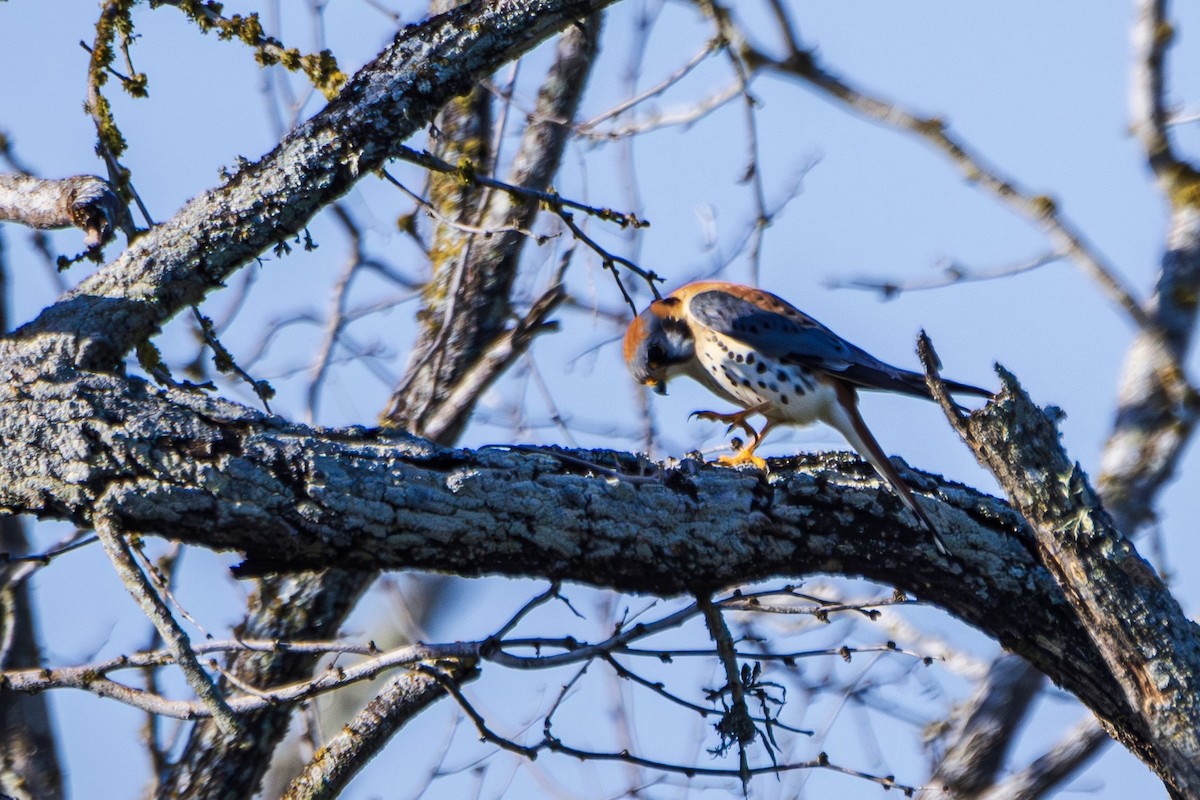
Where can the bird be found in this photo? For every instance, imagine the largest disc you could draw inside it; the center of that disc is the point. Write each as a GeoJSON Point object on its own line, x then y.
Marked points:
{"type": "Point", "coordinates": [761, 353]}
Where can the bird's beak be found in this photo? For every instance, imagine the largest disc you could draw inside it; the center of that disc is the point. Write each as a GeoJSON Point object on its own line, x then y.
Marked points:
{"type": "Point", "coordinates": [658, 387]}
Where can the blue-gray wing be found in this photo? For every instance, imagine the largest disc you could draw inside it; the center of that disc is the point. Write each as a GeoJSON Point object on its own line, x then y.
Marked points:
{"type": "Point", "coordinates": [784, 333]}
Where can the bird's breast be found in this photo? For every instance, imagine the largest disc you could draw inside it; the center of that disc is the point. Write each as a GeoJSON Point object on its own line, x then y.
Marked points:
{"type": "Point", "coordinates": [792, 393]}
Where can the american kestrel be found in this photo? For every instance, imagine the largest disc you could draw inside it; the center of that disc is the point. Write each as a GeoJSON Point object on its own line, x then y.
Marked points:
{"type": "Point", "coordinates": [763, 354]}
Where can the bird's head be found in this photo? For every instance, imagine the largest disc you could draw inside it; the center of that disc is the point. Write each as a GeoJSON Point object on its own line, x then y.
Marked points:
{"type": "Point", "coordinates": [658, 344]}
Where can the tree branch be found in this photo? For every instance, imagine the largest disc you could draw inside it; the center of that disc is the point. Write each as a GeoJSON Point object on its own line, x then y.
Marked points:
{"type": "Point", "coordinates": [179, 262]}
{"type": "Point", "coordinates": [1139, 630]}
{"type": "Point", "coordinates": [209, 472]}
{"type": "Point", "coordinates": [1079, 746]}
{"type": "Point", "coordinates": [115, 547]}
{"type": "Point", "coordinates": [985, 730]}
{"type": "Point", "coordinates": [469, 300]}
{"type": "Point", "coordinates": [83, 201]}
{"type": "Point", "coordinates": [29, 762]}
{"type": "Point", "coordinates": [1157, 407]}
{"type": "Point", "coordinates": [404, 697]}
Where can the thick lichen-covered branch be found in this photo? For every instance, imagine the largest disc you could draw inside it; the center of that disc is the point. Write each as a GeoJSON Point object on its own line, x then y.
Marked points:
{"type": "Point", "coordinates": [1151, 647]}
{"type": "Point", "coordinates": [222, 476]}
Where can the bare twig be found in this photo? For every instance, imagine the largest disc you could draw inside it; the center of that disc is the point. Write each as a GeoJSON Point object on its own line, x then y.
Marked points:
{"type": "Point", "coordinates": [804, 65]}
{"type": "Point", "coordinates": [709, 48]}
{"type": "Point", "coordinates": [320, 68]}
{"type": "Point", "coordinates": [657, 688]}
{"type": "Point", "coordinates": [94, 678]}
{"type": "Point", "coordinates": [553, 744]}
{"type": "Point", "coordinates": [168, 565]}
{"type": "Point", "coordinates": [28, 564]}
{"type": "Point", "coordinates": [952, 274]}
{"type": "Point", "coordinates": [1152, 36]}
{"type": "Point", "coordinates": [754, 171]}
{"type": "Point", "coordinates": [153, 607]}
{"type": "Point", "coordinates": [550, 199]}
{"type": "Point", "coordinates": [114, 23]}
{"type": "Point", "coordinates": [225, 362]}
{"type": "Point", "coordinates": [430, 209]}
{"type": "Point", "coordinates": [686, 116]}
{"type": "Point", "coordinates": [555, 203]}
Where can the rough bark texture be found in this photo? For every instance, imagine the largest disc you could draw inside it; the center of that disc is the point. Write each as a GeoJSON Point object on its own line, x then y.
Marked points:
{"type": "Point", "coordinates": [404, 697]}
{"type": "Point", "coordinates": [1137, 627]}
{"type": "Point", "coordinates": [219, 475]}
{"type": "Point", "coordinates": [29, 764]}
{"type": "Point", "coordinates": [84, 201]}
{"type": "Point", "coordinates": [468, 309]}
{"type": "Point", "coordinates": [464, 344]}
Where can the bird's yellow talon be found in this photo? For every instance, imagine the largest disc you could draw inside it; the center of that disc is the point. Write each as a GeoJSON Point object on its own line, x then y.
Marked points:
{"type": "Point", "coordinates": [744, 457]}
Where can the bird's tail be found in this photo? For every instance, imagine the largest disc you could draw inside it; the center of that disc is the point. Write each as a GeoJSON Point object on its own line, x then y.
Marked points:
{"type": "Point", "coordinates": [887, 378]}
{"type": "Point", "coordinates": [849, 423]}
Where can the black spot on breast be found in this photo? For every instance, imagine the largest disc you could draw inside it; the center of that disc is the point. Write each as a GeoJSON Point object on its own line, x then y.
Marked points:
{"type": "Point", "coordinates": [746, 382]}
{"type": "Point", "coordinates": [762, 368]}
{"type": "Point", "coordinates": [762, 384]}
{"type": "Point", "coordinates": [782, 375]}
{"type": "Point", "coordinates": [783, 399]}
{"type": "Point", "coordinates": [738, 358]}
{"type": "Point", "coordinates": [750, 358]}
{"type": "Point", "coordinates": [774, 388]}
{"type": "Point", "coordinates": [799, 390]}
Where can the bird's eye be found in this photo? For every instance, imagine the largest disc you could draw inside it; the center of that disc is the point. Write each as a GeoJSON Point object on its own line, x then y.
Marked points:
{"type": "Point", "coordinates": [655, 355]}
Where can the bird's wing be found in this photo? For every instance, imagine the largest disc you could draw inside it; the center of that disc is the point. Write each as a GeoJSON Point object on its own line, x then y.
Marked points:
{"type": "Point", "coordinates": [780, 331]}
